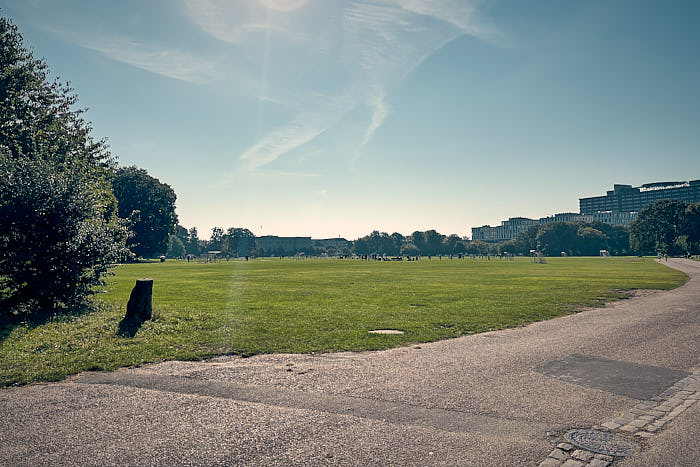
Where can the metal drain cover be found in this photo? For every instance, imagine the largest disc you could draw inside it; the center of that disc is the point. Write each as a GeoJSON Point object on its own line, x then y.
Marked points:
{"type": "Point", "coordinates": [601, 442]}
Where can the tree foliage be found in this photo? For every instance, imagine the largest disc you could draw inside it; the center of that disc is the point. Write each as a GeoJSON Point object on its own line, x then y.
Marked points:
{"type": "Point", "coordinates": [667, 227]}
{"type": "Point", "coordinates": [58, 227]}
{"type": "Point", "coordinates": [176, 249]}
{"type": "Point", "coordinates": [149, 206]}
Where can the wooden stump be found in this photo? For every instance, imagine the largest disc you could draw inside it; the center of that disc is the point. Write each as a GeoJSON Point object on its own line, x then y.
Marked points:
{"type": "Point", "coordinates": [139, 306]}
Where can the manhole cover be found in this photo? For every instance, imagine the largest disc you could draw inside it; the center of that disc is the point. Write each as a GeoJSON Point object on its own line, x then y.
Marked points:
{"type": "Point", "coordinates": [601, 442]}
{"type": "Point", "coordinates": [386, 331]}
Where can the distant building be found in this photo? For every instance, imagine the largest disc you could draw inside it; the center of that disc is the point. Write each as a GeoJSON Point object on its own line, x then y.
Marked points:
{"type": "Point", "coordinates": [507, 230]}
{"type": "Point", "coordinates": [566, 217]}
{"type": "Point", "coordinates": [626, 199]}
{"type": "Point", "coordinates": [615, 218]}
{"type": "Point", "coordinates": [272, 244]}
{"type": "Point", "coordinates": [335, 243]}
{"type": "Point", "coordinates": [515, 225]}
{"type": "Point", "coordinates": [485, 233]}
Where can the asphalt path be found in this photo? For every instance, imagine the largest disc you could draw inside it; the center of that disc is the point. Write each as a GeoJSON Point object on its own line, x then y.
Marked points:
{"type": "Point", "coordinates": [498, 398]}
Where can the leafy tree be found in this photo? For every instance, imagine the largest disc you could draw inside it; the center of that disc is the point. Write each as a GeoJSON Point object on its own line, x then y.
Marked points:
{"type": "Point", "coordinates": [409, 249]}
{"type": "Point", "coordinates": [192, 244]}
{"type": "Point", "coordinates": [618, 240]}
{"type": "Point", "coordinates": [555, 237]}
{"type": "Point", "coordinates": [508, 246]}
{"type": "Point", "coordinates": [658, 226]}
{"type": "Point", "coordinates": [149, 205]}
{"type": "Point", "coordinates": [418, 239]}
{"type": "Point", "coordinates": [526, 240]}
{"type": "Point", "coordinates": [176, 249]}
{"type": "Point", "coordinates": [58, 227]}
{"type": "Point", "coordinates": [376, 243]}
{"type": "Point", "coordinates": [238, 241]}
{"type": "Point", "coordinates": [433, 243]}
{"type": "Point", "coordinates": [591, 241]}
{"type": "Point", "coordinates": [692, 227]}
{"type": "Point", "coordinates": [452, 245]}
{"type": "Point", "coordinates": [216, 241]}
{"type": "Point", "coordinates": [477, 247]}
{"type": "Point", "coordinates": [181, 233]}
{"type": "Point", "coordinates": [398, 240]}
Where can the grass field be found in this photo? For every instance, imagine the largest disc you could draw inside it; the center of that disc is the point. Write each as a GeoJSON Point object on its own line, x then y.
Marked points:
{"type": "Point", "coordinates": [271, 305]}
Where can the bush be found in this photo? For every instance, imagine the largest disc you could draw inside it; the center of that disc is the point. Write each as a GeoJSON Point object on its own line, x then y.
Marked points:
{"type": "Point", "coordinates": [58, 226]}
{"type": "Point", "coordinates": [56, 237]}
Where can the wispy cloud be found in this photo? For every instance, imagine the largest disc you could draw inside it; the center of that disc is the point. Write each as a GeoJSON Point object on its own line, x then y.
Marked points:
{"type": "Point", "coordinates": [379, 114]}
{"type": "Point", "coordinates": [155, 59]}
{"type": "Point", "coordinates": [372, 45]}
{"type": "Point", "coordinates": [238, 21]}
{"type": "Point", "coordinates": [460, 13]}
{"type": "Point", "coordinates": [300, 131]}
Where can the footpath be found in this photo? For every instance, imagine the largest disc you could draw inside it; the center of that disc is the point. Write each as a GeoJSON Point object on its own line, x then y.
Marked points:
{"type": "Point", "coordinates": [624, 375]}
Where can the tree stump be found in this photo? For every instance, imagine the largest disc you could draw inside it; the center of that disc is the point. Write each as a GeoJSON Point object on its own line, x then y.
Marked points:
{"type": "Point", "coordinates": [139, 306]}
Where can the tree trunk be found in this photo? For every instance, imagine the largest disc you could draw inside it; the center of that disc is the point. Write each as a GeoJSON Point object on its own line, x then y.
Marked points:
{"type": "Point", "coordinates": [139, 306]}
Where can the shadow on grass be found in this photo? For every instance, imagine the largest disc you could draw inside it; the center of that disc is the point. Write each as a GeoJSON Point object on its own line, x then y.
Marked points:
{"type": "Point", "coordinates": [128, 327]}
{"type": "Point", "coordinates": [10, 321]}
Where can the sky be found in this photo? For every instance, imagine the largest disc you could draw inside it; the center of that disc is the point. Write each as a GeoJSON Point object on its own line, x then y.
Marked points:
{"type": "Point", "coordinates": [330, 118]}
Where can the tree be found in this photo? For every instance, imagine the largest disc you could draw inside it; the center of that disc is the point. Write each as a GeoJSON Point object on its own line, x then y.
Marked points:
{"type": "Point", "coordinates": [477, 247]}
{"type": "Point", "coordinates": [409, 249]}
{"type": "Point", "coordinates": [398, 240]}
{"type": "Point", "coordinates": [692, 227]}
{"type": "Point", "coordinates": [216, 241]}
{"type": "Point", "coordinates": [452, 245]}
{"type": "Point", "coordinates": [192, 245]}
{"type": "Point", "coordinates": [618, 241]}
{"type": "Point", "coordinates": [555, 237]}
{"type": "Point", "coordinates": [658, 226]}
{"type": "Point", "coordinates": [418, 240]}
{"type": "Point", "coordinates": [149, 205]}
{"type": "Point", "coordinates": [238, 241]}
{"type": "Point", "coordinates": [433, 242]}
{"type": "Point", "coordinates": [591, 241]}
{"type": "Point", "coordinates": [59, 232]}
{"type": "Point", "coordinates": [176, 249]}
{"type": "Point", "coordinates": [181, 233]}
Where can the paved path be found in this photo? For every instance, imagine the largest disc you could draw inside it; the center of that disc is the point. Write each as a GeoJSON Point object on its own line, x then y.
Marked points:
{"type": "Point", "coordinates": [499, 398]}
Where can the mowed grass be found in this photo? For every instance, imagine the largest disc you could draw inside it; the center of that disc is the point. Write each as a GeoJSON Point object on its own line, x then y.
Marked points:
{"type": "Point", "coordinates": [272, 305]}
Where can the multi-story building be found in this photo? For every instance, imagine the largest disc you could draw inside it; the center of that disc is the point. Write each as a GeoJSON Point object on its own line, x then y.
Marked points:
{"type": "Point", "coordinates": [335, 243]}
{"type": "Point", "coordinates": [512, 227]}
{"type": "Point", "coordinates": [566, 217]}
{"type": "Point", "coordinates": [275, 245]}
{"type": "Point", "coordinates": [614, 218]}
{"type": "Point", "coordinates": [507, 230]}
{"type": "Point", "coordinates": [485, 233]}
{"type": "Point", "coordinates": [626, 199]}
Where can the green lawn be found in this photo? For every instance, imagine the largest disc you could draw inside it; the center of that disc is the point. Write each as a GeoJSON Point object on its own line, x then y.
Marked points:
{"type": "Point", "coordinates": [271, 305]}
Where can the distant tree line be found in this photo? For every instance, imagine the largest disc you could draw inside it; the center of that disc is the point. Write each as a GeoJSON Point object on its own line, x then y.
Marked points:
{"type": "Point", "coordinates": [233, 242]}
{"type": "Point", "coordinates": [575, 238]}
{"type": "Point", "coordinates": [570, 238]}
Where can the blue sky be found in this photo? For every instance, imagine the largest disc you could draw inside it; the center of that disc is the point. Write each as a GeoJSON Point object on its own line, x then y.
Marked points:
{"type": "Point", "coordinates": [325, 118]}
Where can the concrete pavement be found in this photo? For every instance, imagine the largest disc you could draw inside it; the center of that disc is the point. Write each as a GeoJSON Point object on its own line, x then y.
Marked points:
{"type": "Point", "coordinates": [499, 398]}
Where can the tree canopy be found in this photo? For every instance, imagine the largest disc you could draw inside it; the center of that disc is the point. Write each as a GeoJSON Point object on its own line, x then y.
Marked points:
{"type": "Point", "coordinates": [667, 227]}
{"type": "Point", "coordinates": [59, 232]}
{"type": "Point", "coordinates": [149, 206]}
